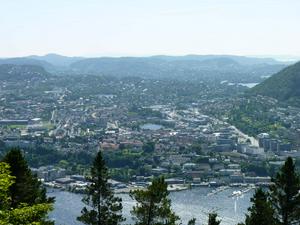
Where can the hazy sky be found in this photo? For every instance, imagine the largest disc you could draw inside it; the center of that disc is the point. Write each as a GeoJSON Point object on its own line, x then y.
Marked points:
{"type": "Point", "coordinates": [148, 27]}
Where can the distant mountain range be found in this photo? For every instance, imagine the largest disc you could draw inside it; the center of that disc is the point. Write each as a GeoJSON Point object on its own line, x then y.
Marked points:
{"type": "Point", "coordinates": [216, 67]}
{"type": "Point", "coordinates": [57, 60]}
{"type": "Point", "coordinates": [284, 85]}
{"type": "Point", "coordinates": [244, 60]}
{"type": "Point", "coordinates": [232, 68]}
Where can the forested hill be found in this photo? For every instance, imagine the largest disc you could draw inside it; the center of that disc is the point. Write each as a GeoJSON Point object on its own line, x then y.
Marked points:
{"type": "Point", "coordinates": [284, 85]}
{"type": "Point", "coordinates": [27, 61]}
{"type": "Point", "coordinates": [9, 72]}
{"type": "Point", "coordinates": [216, 68]}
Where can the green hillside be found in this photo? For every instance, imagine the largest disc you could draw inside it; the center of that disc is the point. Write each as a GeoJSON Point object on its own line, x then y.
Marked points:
{"type": "Point", "coordinates": [284, 85]}
{"type": "Point", "coordinates": [9, 72]}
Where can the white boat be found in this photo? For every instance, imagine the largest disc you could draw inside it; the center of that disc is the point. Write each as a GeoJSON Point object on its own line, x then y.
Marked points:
{"type": "Point", "coordinates": [236, 194]}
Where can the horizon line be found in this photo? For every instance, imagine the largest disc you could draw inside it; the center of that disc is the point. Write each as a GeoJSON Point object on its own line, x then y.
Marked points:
{"type": "Point", "coordinates": [279, 57]}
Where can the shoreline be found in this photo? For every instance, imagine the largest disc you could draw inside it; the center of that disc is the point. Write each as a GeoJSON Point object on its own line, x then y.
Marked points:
{"type": "Point", "coordinates": [171, 188]}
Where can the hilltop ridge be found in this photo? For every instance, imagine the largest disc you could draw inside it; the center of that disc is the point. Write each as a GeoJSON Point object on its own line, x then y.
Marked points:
{"type": "Point", "coordinates": [284, 85]}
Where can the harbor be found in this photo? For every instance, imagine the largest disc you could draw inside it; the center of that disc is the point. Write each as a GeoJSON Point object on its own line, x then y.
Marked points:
{"type": "Point", "coordinates": [77, 184]}
{"type": "Point", "coordinates": [195, 202]}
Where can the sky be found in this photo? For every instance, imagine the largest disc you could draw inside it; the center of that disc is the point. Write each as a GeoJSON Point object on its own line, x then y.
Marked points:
{"type": "Point", "coordinates": [149, 27]}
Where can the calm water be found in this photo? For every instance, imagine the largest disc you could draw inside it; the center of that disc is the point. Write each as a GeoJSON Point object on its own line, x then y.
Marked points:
{"type": "Point", "coordinates": [151, 126]}
{"type": "Point", "coordinates": [249, 85]}
{"type": "Point", "coordinates": [187, 204]}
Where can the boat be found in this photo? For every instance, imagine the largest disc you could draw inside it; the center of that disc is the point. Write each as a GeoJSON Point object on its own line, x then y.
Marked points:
{"type": "Point", "coordinates": [202, 184]}
{"type": "Point", "coordinates": [218, 190]}
{"type": "Point", "coordinates": [236, 194]}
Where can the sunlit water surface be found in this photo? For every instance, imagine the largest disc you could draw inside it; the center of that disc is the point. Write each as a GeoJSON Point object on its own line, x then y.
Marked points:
{"type": "Point", "coordinates": [187, 204]}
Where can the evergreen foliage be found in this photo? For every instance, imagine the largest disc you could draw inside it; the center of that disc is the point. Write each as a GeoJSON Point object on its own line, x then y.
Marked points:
{"type": "Point", "coordinates": [261, 211]}
{"type": "Point", "coordinates": [26, 189]}
{"type": "Point", "coordinates": [192, 222]}
{"type": "Point", "coordinates": [104, 208]}
{"type": "Point", "coordinates": [281, 204]}
{"type": "Point", "coordinates": [153, 206]}
{"type": "Point", "coordinates": [24, 214]}
{"type": "Point", "coordinates": [212, 219]}
{"type": "Point", "coordinates": [284, 194]}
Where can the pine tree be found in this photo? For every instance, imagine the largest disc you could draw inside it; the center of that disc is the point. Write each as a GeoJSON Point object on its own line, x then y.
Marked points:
{"type": "Point", "coordinates": [261, 211]}
{"type": "Point", "coordinates": [104, 208]}
{"type": "Point", "coordinates": [192, 222]}
{"type": "Point", "coordinates": [26, 188]}
{"type": "Point", "coordinates": [153, 206]}
{"type": "Point", "coordinates": [212, 219]}
{"type": "Point", "coordinates": [285, 197]}
{"type": "Point", "coordinates": [24, 214]}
